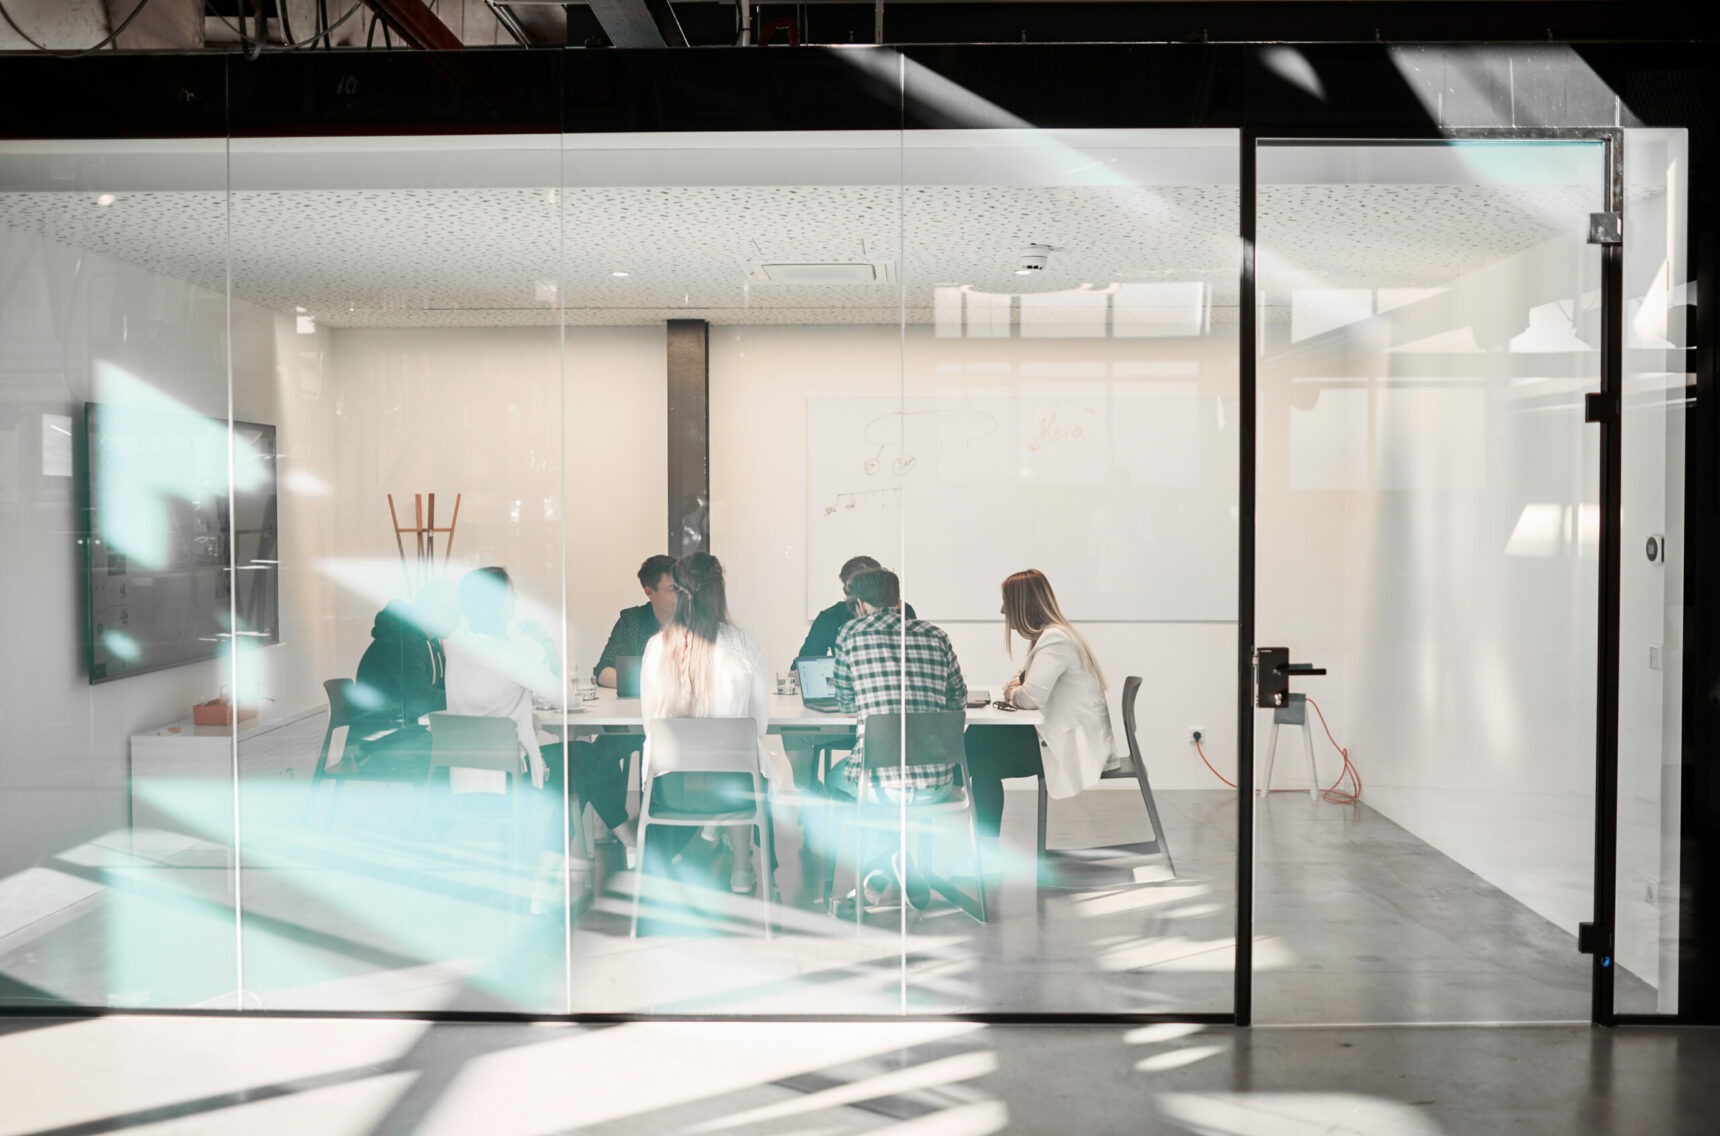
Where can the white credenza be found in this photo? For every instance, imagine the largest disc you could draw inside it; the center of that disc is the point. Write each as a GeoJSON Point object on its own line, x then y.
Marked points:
{"type": "Point", "coordinates": [182, 773]}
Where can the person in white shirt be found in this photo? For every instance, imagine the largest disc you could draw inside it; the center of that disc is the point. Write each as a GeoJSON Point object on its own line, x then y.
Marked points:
{"type": "Point", "coordinates": [1061, 679]}
{"type": "Point", "coordinates": [700, 665]}
{"type": "Point", "coordinates": [494, 667]}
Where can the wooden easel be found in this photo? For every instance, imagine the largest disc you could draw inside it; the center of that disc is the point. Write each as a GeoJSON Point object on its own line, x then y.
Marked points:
{"type": "Point", "coordinates": [423, 530]}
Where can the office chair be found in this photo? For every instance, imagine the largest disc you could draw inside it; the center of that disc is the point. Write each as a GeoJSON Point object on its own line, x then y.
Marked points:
{"type": "Point", "coordinates": [684, 746]}
{"type": "Point", "coordinates": [934, 737]}
{"type": "Point", "coordinates": [1136, 768]}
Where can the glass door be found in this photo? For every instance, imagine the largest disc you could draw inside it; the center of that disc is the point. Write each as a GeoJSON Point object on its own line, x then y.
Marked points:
{"type": "Point", "coordinates": [1429, 539]}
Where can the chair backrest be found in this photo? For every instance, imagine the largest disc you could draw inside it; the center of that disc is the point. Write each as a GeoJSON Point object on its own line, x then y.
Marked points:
{"type": "Point", "coordinates": [1131, 688]}
{"type": "Point", "coordinates": [468, 741]}
{"type": "Point", "coordinates": [934, 738]}
{"type": "Point", "coordinates": [341, 711]}
{"type": "Point", "coordinates": [703, 745]}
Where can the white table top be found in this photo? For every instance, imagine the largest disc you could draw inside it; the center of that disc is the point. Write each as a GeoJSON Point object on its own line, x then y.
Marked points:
{"type": "Point", "coordinates": [786, 711]}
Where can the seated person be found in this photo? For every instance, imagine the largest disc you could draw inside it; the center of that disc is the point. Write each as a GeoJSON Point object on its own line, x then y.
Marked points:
{"type": "Point", "coordinates": [888, 664]}
{"type": "Point", "coordinates": [799, 748]}
{"type": "Point", "coordinates": [633, 628]}
{"type": "Point", "coordinates": [494, 665]}
{"type": "Point", "coordinates": [821, 638]}
{"type": "Point", "coordinates": [703, 666]}
{"type": "Point", "coordinates": [635, 625]}
{"type": "Point", "coordinates": [400, 676]}
{"type": "Point", "coordinates": [1061, 679]}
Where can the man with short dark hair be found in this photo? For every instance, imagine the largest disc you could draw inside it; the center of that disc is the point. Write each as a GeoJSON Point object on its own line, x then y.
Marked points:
{"type": "Point", "coordinates": [820, 640]}
{"type": "Point", "coordinates": [829, 622]}
{"type": "Point", "coordinates": [635, 625]}
{"type": "Point", "coordinates": [888, 664]}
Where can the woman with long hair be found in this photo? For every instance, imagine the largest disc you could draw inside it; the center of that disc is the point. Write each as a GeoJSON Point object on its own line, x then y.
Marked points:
{"type": "Point", "coordinates": [1061, 679]}
{"type": "Point", "coordinates": [700, 665]}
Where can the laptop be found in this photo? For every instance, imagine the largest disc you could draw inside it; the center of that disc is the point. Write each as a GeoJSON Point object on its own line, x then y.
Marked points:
{"type": "Point", "coordinates": [818, 684]}
{"type": "Point", "coordinates": [627, 676]}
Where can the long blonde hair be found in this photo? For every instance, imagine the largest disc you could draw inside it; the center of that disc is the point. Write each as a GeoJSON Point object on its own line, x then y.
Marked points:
{"type": "Point", "coordinates": [689, 640]}
{"type": "Point", "coordinates": [1029, 607]}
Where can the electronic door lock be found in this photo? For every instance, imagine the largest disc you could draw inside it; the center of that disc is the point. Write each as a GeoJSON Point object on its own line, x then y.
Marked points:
{"type": "Point", "coordinates": [1273, 671]}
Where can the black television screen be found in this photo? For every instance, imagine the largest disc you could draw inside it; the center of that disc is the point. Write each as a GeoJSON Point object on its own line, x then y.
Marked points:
{"type": "Point", "coordinates": [162, 547]}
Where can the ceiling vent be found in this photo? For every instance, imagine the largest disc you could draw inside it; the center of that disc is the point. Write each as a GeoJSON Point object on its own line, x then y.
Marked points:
{"type": "Point", "coordinates": [804, 272]}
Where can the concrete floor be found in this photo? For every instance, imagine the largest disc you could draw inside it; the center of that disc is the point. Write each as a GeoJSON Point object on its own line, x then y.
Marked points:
{"type": "Point", "coordinates": [1356, 921]}
{"type": "Point", "coordinates": [275, 1077]}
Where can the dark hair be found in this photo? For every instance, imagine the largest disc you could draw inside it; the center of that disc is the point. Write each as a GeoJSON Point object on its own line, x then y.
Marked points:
{"type": "Point", "coordinates": [481, 592]}
{"type": "Point", "coordinates": [879, 587]}
{"type": "Point", "coordinates": [654, 569]}
{"type": "Point", "coordinates": [701, 609]}
{"type": "Point", "coordinates": [855, 566]}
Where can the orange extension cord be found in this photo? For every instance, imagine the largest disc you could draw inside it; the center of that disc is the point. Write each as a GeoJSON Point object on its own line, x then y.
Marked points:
{"type": "Point", "coordinates": [1331, 794]}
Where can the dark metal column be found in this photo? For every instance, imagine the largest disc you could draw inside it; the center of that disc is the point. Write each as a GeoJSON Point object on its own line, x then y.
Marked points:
{"type": "Point", "coordinates": [689, 343]}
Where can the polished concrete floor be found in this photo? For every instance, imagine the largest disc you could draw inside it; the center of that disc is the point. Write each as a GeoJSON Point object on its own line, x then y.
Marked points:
{"type": "Point", "coordinates": [1356, 920]}
{"type": "Point", "coordinates": [287, 1077]}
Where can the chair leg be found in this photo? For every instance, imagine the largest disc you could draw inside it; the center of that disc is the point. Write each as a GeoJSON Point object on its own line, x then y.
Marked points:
{"type": "Point", "coordinates": [639, 873]}
{"type": "Point", "coordinates": [767, 850]}
{"type": "Point", "coordinates": [978, 868]}
{"type": "Point", "coordinates": [1039, 854]}
{"type": "Point", "coordinates": [1160, 843]}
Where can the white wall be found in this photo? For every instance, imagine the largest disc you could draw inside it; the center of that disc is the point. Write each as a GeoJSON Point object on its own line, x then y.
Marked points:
{"type": "Point", "coordinates": [67, 311]}
{"type": "Point", "coordinates": [761, 379]}
{"type": "Point", "coordinates": [485, 413]}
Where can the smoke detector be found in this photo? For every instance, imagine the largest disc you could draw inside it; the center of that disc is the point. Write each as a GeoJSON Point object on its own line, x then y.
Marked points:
{"type": "Point", "coordinates": [1033, 259]}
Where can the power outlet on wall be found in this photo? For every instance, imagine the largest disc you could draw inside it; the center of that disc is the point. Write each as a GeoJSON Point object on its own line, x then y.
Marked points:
{"type": "Point", "coordinates": [1195, 735]}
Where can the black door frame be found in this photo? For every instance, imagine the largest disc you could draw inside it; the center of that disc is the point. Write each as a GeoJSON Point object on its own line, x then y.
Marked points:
{"type": "Point", "coordinates": [1611, 497]}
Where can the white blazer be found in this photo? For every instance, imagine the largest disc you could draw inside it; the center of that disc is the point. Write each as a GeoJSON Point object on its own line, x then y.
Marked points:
{"type": "Point", "coordinates": [1075, 741]}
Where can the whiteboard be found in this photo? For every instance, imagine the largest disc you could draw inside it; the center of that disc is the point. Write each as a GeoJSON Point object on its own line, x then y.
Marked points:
{"type": "Point", "coordinates": [1123, 493]}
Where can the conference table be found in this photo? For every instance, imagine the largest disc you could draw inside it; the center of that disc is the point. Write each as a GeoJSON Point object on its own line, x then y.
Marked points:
{"type": "Point", "coordinates": [611, 714]}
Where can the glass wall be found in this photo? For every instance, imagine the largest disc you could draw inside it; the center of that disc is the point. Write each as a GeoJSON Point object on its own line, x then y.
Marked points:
{"type": "Point", "coordinates": [1069, 455]}
{"type": "Point", "coordinates": [1429, 534]}
{"type": "Point", "coordinates": [117, 883]}
{"type": "Point", "coordinates": [411, 453]}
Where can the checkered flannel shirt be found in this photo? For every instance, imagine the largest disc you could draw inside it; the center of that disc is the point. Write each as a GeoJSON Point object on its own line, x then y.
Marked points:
{"type": "Point", "coordinates": [870, 654]}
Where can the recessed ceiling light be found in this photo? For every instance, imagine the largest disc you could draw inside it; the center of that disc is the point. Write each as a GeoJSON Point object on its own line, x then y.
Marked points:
{"type": "Point", "coordinates": [619, 274]}
{"type": "Point", "coordinates": [105, 200]}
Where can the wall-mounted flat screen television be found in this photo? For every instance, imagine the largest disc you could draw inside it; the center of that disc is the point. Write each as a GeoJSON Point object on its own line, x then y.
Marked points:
{"type": "Point", "coordinates": [177, 565]}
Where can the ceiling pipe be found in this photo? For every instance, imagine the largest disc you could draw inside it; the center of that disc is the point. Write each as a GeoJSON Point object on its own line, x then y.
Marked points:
{"type": "Point", "coordinates": [416, 24]}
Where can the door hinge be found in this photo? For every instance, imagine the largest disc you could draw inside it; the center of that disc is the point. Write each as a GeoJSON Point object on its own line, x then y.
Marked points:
{"type": "Point", "coordinates": [1598, 408]}
{"type": "Point", "coordinates": [1606, 228]}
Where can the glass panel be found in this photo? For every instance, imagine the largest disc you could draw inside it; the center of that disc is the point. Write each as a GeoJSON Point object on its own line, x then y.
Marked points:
{"type": "Point", "coordinates": [1659, 294]}
{"type": "Point", "coordinates": [399, 299]}
{"type": "Point", "coordinates": [776, 254]}
{"type": "Point", "coordinates": [1070, 459]}
{"type": "Point", "coordinates": [116, 819]}
{"type": "Point", "coordinates": [1428, 533]}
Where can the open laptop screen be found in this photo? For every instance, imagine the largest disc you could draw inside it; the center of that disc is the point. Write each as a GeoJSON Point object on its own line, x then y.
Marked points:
{"type": "Point", "coordinates": [817, 677]}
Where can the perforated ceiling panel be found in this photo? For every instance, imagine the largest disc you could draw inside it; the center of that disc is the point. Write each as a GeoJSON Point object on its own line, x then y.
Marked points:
{"type": "Point", "coordinates": [492, 256]}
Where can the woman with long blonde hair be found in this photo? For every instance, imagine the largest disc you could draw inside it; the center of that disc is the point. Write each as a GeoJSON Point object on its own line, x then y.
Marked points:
{"type": "Point", "coordinates": [1060, 678]}
{"type": "Point", "coordinates": [700, 665]}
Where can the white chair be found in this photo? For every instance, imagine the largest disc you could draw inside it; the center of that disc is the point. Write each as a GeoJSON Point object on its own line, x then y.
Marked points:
{"type": "Point", "coordinates": [704, 746]}
{"type": "Point", "coordinates": [464, 741]}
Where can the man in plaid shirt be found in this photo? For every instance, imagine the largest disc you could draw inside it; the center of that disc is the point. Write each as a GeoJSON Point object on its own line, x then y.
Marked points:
{"type": "Point", "coordinates": [882, 669]}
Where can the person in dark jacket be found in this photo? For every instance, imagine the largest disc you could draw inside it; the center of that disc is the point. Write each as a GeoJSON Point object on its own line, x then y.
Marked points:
{"type": "Point", "coordinates": [800, 748]}
{"type": "Point", "coordinates": [400, 679]}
